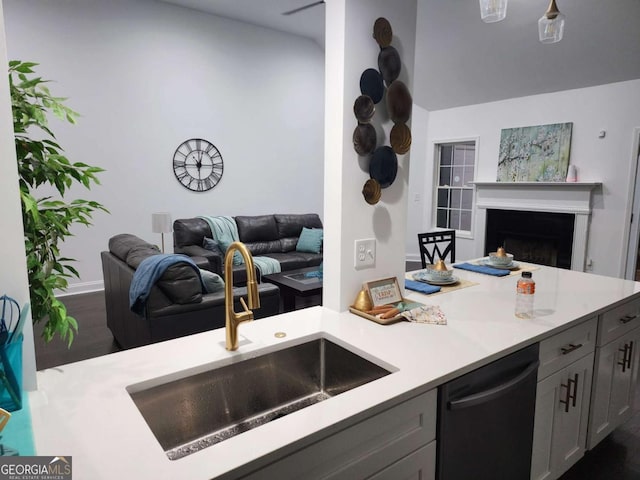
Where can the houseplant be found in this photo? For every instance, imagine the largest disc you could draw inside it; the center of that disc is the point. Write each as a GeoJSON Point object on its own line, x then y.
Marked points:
{"type": "Point", "coordinates": [47, 220]}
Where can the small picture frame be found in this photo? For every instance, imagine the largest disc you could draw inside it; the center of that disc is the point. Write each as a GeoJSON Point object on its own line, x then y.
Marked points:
{"type": "Point", "coordinates": [383, 292]}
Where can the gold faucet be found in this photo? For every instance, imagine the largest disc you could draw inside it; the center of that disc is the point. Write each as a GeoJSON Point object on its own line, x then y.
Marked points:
{"type": "Point", "coordinates": [234, 319]}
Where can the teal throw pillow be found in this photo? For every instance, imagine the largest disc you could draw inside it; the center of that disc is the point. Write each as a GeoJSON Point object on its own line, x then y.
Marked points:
{"type": "Point", "coordinates": [310, 240]}
{"type": "Point", "coordinates": [212, 281]}
{"type": "Point", "coordinates": [237, 256]}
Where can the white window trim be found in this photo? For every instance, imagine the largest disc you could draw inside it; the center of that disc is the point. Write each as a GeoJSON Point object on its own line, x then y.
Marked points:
{"type": "Point", "coordinates": [434, 187]}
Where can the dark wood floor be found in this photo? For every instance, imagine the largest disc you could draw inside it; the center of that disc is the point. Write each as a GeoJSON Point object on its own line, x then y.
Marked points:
{"type": "Point", "coordinates": [93, 339]}
{"type": "Point", "coordinates": [616, 458]}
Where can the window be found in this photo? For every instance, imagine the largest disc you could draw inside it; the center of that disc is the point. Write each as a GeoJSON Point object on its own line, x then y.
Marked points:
{"type": "Point", "coordinates": [454, 191]}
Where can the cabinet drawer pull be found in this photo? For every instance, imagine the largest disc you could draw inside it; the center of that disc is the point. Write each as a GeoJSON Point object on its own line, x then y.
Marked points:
{"type": "Point", "coordinates": [572, 392]}
{"type": "Point", "coordinates": [627, 318]}
{"type": "Point", "coordinates": [570, 348]}
{"type": "Point", "coordinates": [626, 358]}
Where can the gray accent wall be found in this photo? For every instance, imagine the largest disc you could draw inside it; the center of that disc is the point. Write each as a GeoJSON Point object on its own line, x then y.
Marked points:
{"type": "Point", "coordinates": [147, 75]}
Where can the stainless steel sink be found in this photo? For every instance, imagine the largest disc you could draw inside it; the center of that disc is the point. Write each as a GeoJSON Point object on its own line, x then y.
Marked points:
{"type": "Point", "coordinates": [205, 408]}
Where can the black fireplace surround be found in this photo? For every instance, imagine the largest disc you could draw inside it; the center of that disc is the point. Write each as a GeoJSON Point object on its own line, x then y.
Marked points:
{"type": "Point", "coordinates": [545, 238]}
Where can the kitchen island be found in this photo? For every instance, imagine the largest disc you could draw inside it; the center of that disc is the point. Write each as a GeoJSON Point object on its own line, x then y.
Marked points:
{"type": "Point", "coordinates": [83, 409]}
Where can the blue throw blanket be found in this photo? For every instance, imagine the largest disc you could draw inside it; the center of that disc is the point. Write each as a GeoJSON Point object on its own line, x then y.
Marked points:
{"type": "Point", "coordinates": [225, 231]}
{"type": "Point", "coordinates": [148, 273]}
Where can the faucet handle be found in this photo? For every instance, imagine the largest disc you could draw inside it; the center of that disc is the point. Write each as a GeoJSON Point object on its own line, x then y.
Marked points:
{"type": "Point", "coordinates": [244, 305]}
{"type": "Point", "coordinates": [245, 316]}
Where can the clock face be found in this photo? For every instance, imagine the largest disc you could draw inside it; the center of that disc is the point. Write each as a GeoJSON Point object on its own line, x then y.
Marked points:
{"type": "Point", "coordinates": [198, 165]}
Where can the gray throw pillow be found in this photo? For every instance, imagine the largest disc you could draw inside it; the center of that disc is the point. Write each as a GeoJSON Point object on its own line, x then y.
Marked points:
{"type": "Point", "coordinates": [212, 245]}
{"type": "Point", "coordinates": [212, 281]}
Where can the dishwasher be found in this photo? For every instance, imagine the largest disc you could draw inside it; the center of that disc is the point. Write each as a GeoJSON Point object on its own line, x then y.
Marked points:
{"type": "Point", "coordinates": [485, 420]}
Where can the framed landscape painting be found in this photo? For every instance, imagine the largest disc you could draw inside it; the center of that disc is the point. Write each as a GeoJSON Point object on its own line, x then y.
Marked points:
{"type": "Point", "coordinates": [535, 154]}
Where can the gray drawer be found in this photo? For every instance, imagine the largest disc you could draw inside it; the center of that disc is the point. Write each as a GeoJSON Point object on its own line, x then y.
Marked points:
{"type": "Point", "coordinates": [361, 450]}
{"type": "Point", "coordinates": [565, 347]}
{"type": "Point", "coordinates": [618, 321]}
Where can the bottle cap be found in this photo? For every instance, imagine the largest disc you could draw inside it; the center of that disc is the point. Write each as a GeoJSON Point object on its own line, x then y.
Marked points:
{"type": "Point", "coordinates": [526, 274]}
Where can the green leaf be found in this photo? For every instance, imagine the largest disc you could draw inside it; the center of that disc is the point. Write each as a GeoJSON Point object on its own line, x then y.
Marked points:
{"type": "Point", "coordinates": [48, 220]}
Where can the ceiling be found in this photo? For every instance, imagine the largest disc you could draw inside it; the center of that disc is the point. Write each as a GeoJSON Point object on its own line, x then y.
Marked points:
{"type": "Point", "coordinates": [462, 61]}
{"type": "Point", "coordinates": [267, 13]}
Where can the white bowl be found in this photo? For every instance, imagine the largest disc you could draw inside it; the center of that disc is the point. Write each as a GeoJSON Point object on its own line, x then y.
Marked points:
{"type": "Point", "coordinates": [434, 274]}
{"type": "Point", "coordinates": [500, 261]}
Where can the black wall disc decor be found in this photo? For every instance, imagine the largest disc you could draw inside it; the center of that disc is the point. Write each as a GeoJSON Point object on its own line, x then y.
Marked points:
{"type": "Point", "coordinates": [372, 84]}
{"type": "Point", "coordinates": [363, 108]}
{"type": "Point", "coordinates": [399, 102]}
{"type": "Point", "coordinates": [382, 32]}
{"type": "Point", "coordinates": [383, 161]}
{"type": "Point", "coordinates": [384, 166]}
{"type": "Point", "coordinates": [364, 139]}
{"type": "Point", "coordinates": [389, 64]}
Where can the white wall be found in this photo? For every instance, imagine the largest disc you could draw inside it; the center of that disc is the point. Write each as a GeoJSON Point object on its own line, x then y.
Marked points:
{"type": "Point", "coordinates": [609, 160]}
{"type": "Point", "coordinates": [350, 50]}
{"type": "Point", "coordinates": [13, 273]}
{"type": "Point", "coordinates": [145, 76]}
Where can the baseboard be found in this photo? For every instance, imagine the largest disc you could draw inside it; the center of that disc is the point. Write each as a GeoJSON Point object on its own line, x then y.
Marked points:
{"type": "Point", "coordinates": [413, 257]}
{"type": "Point", "coordinates": [82, 287]}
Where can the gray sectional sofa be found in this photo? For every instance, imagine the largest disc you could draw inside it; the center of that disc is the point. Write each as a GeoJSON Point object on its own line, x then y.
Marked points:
{"type": "Point", "coordinates": [274, 236]}
{"type": "Point", "coordinates": [176, 305]}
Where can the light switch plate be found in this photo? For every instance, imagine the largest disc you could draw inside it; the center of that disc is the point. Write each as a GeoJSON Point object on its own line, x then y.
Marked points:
{"type": "Point", "coordinates": [365, 253]}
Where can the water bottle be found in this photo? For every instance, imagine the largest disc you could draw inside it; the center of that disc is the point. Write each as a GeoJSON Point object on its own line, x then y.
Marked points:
{"type": "Point", "coordinates": [524, 296]}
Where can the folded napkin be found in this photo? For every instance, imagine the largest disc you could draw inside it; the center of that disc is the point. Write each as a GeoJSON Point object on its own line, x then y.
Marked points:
{"type": "Point", "coordinates": [426, 314]}
{"type": "Point", "coordinates": [496, 272]}
{"type": "Point", "coordinates": [421, 287]}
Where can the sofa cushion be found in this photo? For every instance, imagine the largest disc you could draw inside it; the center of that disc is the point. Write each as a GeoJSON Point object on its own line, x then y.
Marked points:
{"type": "Point", "coordinates": [289, 261]}
{"type": "Point", "coordinates": [260, 248]}
{"type": "Point", "coordinates": [190, 231]}
{"type": "Point", "coordinates": [180, 283]}
{"type": "Point", "coordinates": [212, 281]}
{"type": "Point", "coordinates": [212, 245]}
{"type": "Point", "coordinates": [290, 225]}
{"type": "Point", "coordinates": [258, 228]}
{"type": "Point", "coordinates": [310, 240]}
{"type": "Point", "coordinates": [121, 245]}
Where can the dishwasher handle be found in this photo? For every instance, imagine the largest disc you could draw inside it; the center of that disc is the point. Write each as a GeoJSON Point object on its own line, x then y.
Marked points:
{"type": "Point", "coordinates": [495, 392]}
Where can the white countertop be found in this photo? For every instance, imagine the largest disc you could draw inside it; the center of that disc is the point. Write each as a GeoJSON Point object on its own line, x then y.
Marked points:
{"type": "Point", "coordinates": [83, 409]}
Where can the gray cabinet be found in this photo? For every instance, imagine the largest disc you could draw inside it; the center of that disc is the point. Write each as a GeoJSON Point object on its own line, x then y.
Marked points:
{"type": "Point", "coordinates": [396, 443]}
{"type": "Point", "coordinates": [563, 400]}
{"type": "Point", "coordinates": [560, 428]}
{"type": "Point", "coordinates": [420, 464]}
{"type": "Point", "coordinates": [614, 385]}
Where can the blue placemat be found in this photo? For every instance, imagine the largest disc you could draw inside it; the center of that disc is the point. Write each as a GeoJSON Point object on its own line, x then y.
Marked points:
{"type": "Point", "coordinates": [496, 272]}
{"type": "Point", "coordinates": [421, 287]}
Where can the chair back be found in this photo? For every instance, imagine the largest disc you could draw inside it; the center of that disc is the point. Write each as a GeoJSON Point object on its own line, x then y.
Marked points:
{"type": "Point", "coordinates": [437, 245]}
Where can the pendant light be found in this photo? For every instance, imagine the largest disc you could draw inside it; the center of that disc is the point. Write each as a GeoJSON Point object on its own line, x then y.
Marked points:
{"type": "Point", "coordinates": [493, 10]}
{"type": "Point", "coordinates": [551, 24]}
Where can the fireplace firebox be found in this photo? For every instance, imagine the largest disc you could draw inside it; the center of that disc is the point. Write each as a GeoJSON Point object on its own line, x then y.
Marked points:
{"type": "Point", "coordinates": [545, 238]}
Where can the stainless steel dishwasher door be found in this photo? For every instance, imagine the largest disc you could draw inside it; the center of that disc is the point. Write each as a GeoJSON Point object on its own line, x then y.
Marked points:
{"type": "Point", "coordinates": [485, 420]}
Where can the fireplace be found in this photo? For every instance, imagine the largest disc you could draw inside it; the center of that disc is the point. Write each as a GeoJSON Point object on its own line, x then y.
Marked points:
{"type": "Point", "coordinates": [563, 208]}
{"type": "Point", "coordinates": [545, 238]}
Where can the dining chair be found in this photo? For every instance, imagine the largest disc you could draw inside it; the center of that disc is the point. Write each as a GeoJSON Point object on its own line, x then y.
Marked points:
{"type": "Point", "coordinates": [437, 245]}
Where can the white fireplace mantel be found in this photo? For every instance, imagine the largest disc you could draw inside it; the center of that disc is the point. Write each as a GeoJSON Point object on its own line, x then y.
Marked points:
{"type": "Point", "coordinates": [555, 197]}
{"type": "Point", "coordinates": [562, 197]}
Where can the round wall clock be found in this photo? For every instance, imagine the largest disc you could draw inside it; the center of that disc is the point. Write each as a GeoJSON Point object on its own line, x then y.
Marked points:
{"type": "Point", "coordinates": [198, 165]}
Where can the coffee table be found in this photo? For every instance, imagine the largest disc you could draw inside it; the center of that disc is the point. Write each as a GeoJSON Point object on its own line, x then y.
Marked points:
{"type": "Point", "coordinates": [294, 283]}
